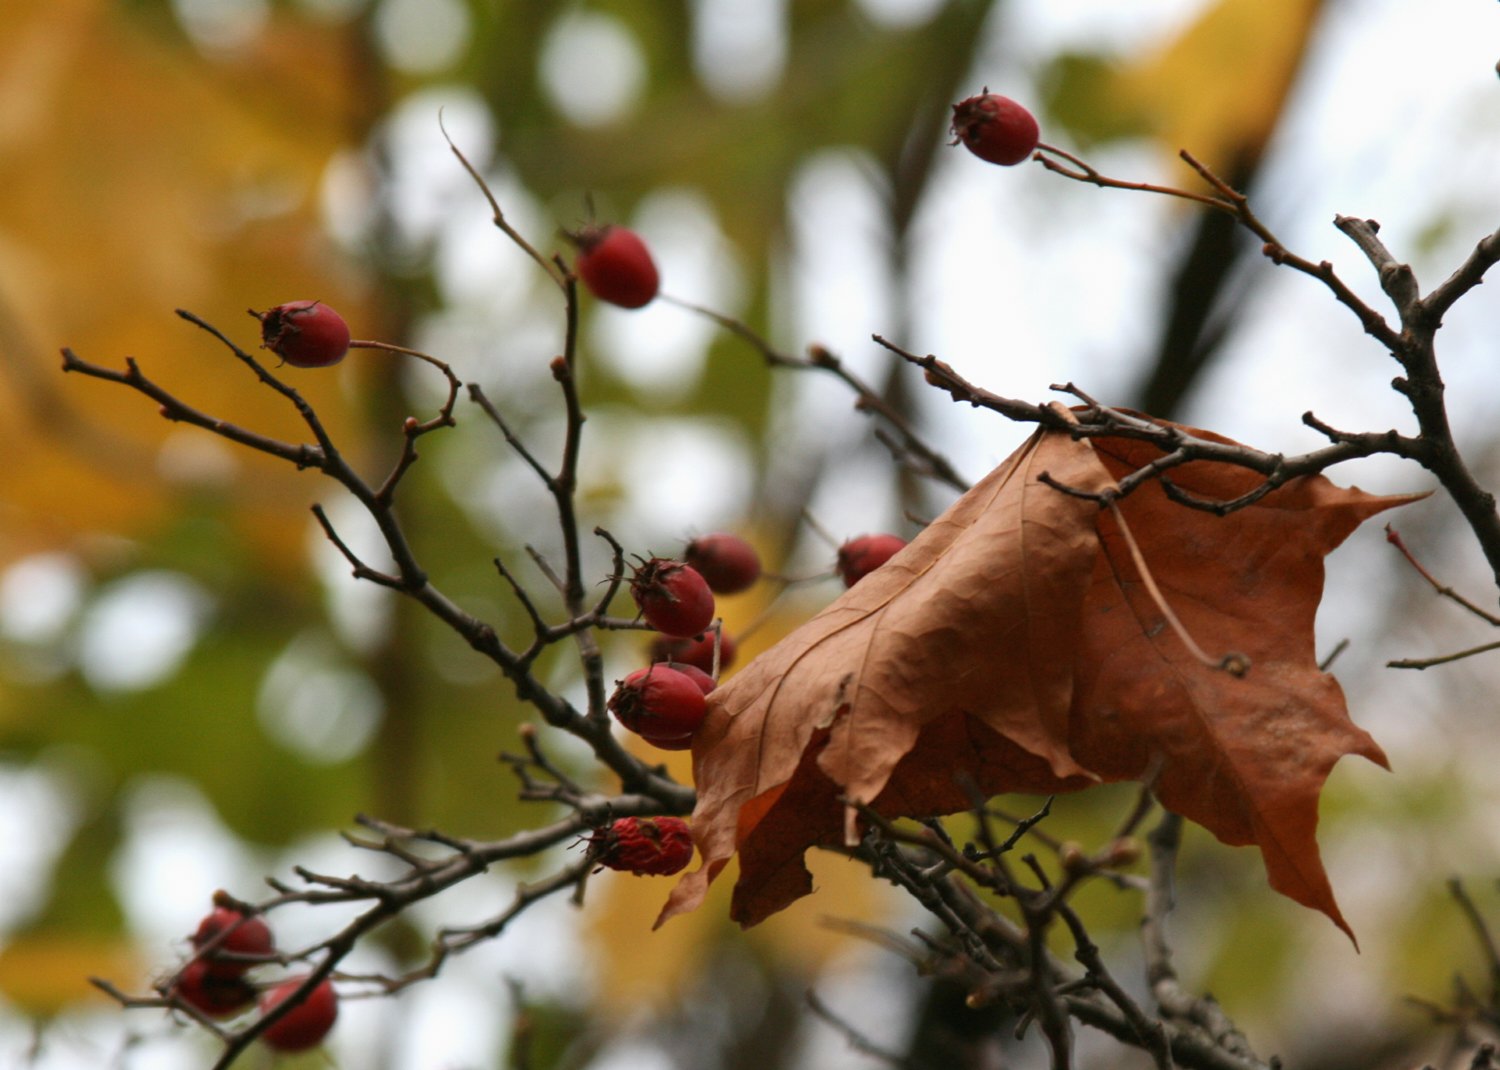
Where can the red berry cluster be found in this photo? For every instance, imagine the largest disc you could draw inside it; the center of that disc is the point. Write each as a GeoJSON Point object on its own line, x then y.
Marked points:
{"type": "Point", "coordinates": [228, 943]}
{"type": "Point", "coordinates": [654, 846]}
{"type": "Point", "coordinates": [217, 995]}
{"type": "Point", "coordinates": [664, 703]}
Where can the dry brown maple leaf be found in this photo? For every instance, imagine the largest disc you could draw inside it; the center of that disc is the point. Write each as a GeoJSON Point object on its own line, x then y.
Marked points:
{"type": "Point", "coordinates": [1011, 647]}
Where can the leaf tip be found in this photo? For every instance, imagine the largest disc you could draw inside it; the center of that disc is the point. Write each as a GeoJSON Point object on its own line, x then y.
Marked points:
{"type": "Point", "coordinates": [1337, 917]}
{"type": "Point", "coordinates": [690, 891]}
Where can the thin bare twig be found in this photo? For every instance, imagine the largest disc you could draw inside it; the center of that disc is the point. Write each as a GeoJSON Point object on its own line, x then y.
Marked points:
{"type": "Point", "coordinates": [1151, 1033]}
{"type": "Point", "coordinates": [1482, 934]}
{"type": "Point", "coordinates": [552, 271]}
{"type": "Point", "coordinates": [1176, 444]}
{"type": "Point", "coordinates": [1333, 655]}
{"type": "Point", "coordinates": [1177, 1005]}
{"type": "Point", "coordinates": [1393, 537]}
{"type": "Point", "coordinates": [867, 399]}
{"type": "Point", "coordinates": [857, 1040]}
{"type": "Point", "coordinates": [1442, 659]}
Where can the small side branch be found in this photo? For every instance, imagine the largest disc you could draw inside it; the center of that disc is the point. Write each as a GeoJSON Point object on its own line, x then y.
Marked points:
{"type": "Point", "coordinates": [866, 399]}
{"type": "Point", "coordinates": [552, 271]}
{"type": "Point", "coordinates": [1177, 1005]}
{"type": "Point", "coordinates": [1177, 446]}
{"type": "Point", "coordinates": [1469, 275]}
{"type": "Point", "coordinates": [172, 408]}
{"type": "Point", "coordinates": [1393, 537]}
{"type": "Point", "coordinates": [1225, 198]}
{"type": "Point", "coordinates": [857, 1040]}
{"type": "Point", "coordinates": [1445, 591]}
{"type": "Point", "coordinates": [1482, 935]}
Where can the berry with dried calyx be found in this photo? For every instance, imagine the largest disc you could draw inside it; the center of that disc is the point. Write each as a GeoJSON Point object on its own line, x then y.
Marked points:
{"type": "Point", "coordinates": [995, 128]}
{"type": "Point", "coordinates": [306, 1024]}
{"type": "Point", "coordinates": [697, 651]}
{"type": "Point", "coordinates": [727, 562]}
{"type": "Point", "coordinates": [863, 555]}
{"type": "Point", "coordinates": [672, 597]}
{"type": "Point", "coordinates": [229, 941]}
{"type": "Point", "coordinates": [214, 994]}
{"type": "Point", "coordinates": [655, 846]}
{"type": "Point", "coordinates": [616, 266]}
{"type": "Point", "coordinates": [305, 334]}
{"type": "Point", "coordinates": [661, 705]}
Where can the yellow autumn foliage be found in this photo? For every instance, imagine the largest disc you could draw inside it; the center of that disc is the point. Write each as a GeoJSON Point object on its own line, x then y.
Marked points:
{"type": "Point", "coordinates": [1218, 88]}
{"type": "Point", "coordinates": [141, 177]}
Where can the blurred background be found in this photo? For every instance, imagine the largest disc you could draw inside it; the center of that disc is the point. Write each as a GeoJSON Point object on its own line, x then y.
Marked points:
{"type": "Point", "coordinates": [194, 694]}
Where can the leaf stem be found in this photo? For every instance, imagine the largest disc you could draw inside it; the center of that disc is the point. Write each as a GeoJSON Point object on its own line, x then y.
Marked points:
{"type": "Point", "coordinates": [1234, 663]}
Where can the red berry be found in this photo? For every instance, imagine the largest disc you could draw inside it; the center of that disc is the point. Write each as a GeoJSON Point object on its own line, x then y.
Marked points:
{"type": "Point", "coordinates": [305, 1025]}
{"type": "Point", "coordinates": [727, 562]}
{"type": "Point", "coordinates": [704, 681]}
{"type": "Point", "coordinates": [659, 846]}
{"type": "Point", "coordinates": [305, 334]}
{"type": "Point", "coordinates": [663, 706]}
{"type": "Point", "coordinates": [862, 556]}
{"type": "Point", "coordinates": [672, 596]}
{"type": "Point", "coordinates": [242, 935]}
{"type": "Point", "coordinates": [616, 266]}
{"type": "Point", "coordinates": [697, 651]}
{"type": "Point", "coordinates": [214, 994]}
{"type": "Point", "coordinates": [995, 128]}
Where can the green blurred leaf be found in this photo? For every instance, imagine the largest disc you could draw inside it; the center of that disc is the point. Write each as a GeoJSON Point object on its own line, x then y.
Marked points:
{"type": "Point", "coordinates": [1077, 92]}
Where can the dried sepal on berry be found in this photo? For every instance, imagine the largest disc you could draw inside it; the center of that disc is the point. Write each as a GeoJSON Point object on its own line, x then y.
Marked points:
{"type": "Point", "coordinates": [645, 846]}
{"type": "Point", "coordinates": [672, 597]}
